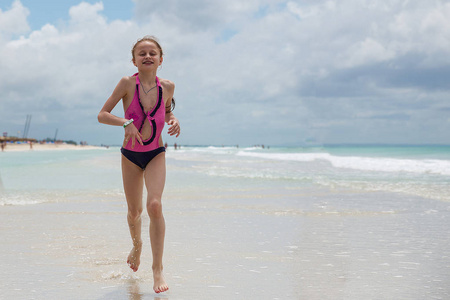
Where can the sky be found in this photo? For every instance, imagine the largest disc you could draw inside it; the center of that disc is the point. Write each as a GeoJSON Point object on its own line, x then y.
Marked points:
{"type": "Point", "coordinates": [269, 72]}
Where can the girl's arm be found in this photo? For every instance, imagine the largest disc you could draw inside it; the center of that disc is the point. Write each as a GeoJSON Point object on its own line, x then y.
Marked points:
{"type": "Point", "coordinates": [174, 124]}
{"type": "Point", "coordinates": [170, 118]}
{"type": "Point", "coordinates": [106, 117]}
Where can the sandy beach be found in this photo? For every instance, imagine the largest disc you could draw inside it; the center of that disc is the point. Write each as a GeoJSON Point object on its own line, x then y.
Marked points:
{"type": "Point", "coordinates": [46, 146]}
{"type": "Point", "coordinates": [227, 238]}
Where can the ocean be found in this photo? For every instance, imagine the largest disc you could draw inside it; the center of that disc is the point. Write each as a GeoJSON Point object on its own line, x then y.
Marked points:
{"type": "Point", "coordinates": [33, 177]}
{"type": "Point", "coordinates": [418, 171]}
{"type": "Point", "coordinates": [330, 222]}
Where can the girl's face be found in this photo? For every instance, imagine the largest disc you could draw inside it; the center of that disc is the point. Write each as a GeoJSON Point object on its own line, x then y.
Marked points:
{"type": "Point", "coordinates": [147, 55]}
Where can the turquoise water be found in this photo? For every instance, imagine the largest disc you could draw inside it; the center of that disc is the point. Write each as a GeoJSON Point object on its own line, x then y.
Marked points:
{"type": "Point", "coordinates": [416, 171]}
{"type": "Point", "coordinates": [32, 177]}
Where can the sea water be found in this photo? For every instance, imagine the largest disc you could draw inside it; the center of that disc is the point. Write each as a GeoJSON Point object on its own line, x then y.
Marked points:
{"type": "Point", "coordinates": [416, 171]}
{"type": "Point", "coordinates": [32, 177]}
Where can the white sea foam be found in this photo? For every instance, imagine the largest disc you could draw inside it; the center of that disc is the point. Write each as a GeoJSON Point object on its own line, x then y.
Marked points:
{"type": "Point", "coordinates": [431, 166]}
{"type": "Point", "coordinates": [20, 199]}
{"type": "Point", "coordinates": [15, 202]}
{"type": "Point", "coordinates": [421, 172]}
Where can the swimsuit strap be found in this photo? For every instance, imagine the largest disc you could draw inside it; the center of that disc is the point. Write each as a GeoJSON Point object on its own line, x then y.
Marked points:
{"type": "Point", "coordinates": [139, 82]}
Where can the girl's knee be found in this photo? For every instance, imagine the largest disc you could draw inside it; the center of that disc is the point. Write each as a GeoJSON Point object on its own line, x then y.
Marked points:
{"type": "Point", "coordinates": [154, 208]}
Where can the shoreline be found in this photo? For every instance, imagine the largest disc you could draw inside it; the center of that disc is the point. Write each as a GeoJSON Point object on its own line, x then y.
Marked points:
{"type": "Point", "coordinates": [45, 147]}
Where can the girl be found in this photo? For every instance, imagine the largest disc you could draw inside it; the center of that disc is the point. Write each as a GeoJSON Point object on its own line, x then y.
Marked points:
{"type": "Point", "coordinates": [148, 103]}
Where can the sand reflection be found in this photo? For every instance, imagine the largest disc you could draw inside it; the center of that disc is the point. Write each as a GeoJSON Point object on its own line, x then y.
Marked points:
{"type": "Point", "coordinates": [134, 290]}
{"type": "Point", "coordinates": [135, 293]}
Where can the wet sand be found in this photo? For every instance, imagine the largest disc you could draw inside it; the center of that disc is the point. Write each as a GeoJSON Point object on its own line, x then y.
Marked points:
{"type": "Point", "coordinates": [261, 243]}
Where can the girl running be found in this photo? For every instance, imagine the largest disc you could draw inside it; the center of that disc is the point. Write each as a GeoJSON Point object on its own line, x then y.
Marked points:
{"type": "Point", "coordinates": [148, 103]}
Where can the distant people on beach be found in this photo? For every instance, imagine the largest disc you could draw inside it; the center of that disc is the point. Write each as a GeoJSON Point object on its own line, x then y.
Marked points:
{"type": "Point", "coordinates": [3, 145]}
{"type": "Point", "coordinates": [148, 103]}
{"type": "Point", "coordinates": [175, 146]}
{"type": "Point", "coordinates": [261, 146]}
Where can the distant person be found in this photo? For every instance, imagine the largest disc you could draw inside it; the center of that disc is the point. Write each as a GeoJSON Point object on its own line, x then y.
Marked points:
{"type": "Point", "coordinates": [3, 146]}
{"type": "Point", "coordinates": [175, 146]}
{"type": "Point", "coordinates": [148, 103]}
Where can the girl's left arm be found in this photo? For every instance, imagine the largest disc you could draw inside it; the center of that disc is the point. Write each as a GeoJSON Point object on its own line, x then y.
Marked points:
{"type": "Point", "coordinates": [174, 124]}
{"type": "Point", "coordinates": [170, 118]}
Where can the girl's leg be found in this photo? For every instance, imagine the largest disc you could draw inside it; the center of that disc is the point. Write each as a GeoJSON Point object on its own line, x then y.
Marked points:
{"type": "Point", "coordinates": [155, 178]}
{"type": "Point", "coordinates": [132, 177]}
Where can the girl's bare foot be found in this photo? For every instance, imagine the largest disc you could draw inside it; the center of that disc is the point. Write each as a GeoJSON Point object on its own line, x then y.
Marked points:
{"type": "Point", "coordinates": [159, 283]}
{"type": "Point", "coordinates": [134, 258]}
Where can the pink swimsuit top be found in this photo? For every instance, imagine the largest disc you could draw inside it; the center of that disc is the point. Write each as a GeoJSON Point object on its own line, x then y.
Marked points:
{"type": "Point", "coordinates": [155, 117]}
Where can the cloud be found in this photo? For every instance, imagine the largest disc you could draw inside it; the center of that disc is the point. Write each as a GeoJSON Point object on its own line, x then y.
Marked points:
{"type": "Point", "coordinates": [14, 20]}
{"type": "Point", "coordinates": [264, 71]}
{"type": "Point", "coordinates": [87, 14]}
{"type": "Point", "coordinates": [59, 72]}
{"type": "Point", "coordinates": [201, 15]}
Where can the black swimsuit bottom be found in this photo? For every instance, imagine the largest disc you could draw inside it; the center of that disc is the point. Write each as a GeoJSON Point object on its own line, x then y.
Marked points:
{"type": "Point", "coordinates": [141, 159]}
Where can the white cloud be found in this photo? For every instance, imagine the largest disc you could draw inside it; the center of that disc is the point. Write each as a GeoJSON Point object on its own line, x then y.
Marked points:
{"type": "Point", "coordinates": [87, 15]}
{"type": "Point", "coordinates": [65, 73]}
{"type": "Point", "coordinates": [311, 11]}
{"type": "Point", "coordinates": [14, 20]}
{"type": "Point", "coordinates": [366, 51]}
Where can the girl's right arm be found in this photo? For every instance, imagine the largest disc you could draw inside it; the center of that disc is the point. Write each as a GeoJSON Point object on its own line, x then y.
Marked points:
{"type": "Point", "coordinates": [106, 117]}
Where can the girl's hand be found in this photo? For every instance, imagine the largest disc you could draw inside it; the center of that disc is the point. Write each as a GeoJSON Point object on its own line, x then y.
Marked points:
{"type": "Point", "coordinates": [174, 127]}
{"type": "Point", "coordinates": [132, 133]}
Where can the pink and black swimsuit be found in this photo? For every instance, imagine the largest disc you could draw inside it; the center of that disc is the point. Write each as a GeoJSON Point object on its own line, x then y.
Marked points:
{"type": "Point", "coordinates": [141, 155]}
